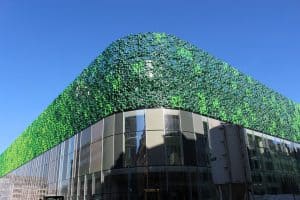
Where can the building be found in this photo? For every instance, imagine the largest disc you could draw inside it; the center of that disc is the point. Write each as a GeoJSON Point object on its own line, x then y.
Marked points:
{"type": "Point", "coordinates": [142, 122]}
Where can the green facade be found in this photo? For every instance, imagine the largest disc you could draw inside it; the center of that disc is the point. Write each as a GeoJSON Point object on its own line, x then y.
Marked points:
{"type": "Point", "coordinates": [155, 70]}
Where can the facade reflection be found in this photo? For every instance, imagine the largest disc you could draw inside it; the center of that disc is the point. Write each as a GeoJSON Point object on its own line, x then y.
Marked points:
{"type": "Point", "coordinates": [148, 154]}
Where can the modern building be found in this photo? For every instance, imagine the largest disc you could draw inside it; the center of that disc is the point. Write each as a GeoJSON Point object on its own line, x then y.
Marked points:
{"type": "Point", "coordinates": [154, 117]}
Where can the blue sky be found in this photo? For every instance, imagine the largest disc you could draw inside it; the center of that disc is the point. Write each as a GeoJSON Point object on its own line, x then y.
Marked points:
{"type": "Point", "coordinates": [45, 44]}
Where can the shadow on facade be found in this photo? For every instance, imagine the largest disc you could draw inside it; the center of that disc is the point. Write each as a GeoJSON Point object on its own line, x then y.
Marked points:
{"type": "Point", "coordinates": [158, 173]}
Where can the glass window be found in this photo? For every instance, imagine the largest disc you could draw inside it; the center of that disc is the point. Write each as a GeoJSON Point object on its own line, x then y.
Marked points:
{"type": "Point", "coordinates": [135, 149]}
{"type": "Point", "coordinates": [65, 147]}
{"type": "Point", "coordinates": [250, 140]}
{"type": "Point", "coordinates": [157, 181]}
{"type": "Point", "coordinates": [76, 165]}
{"type": "Point", "coordinates": [118, 151]}
{"type": "Point", "coordinates": [179, 185]}
{"type": "Point", "coordinates": [189, 148]}
{"type": "Point", "coordinates": [108, 148]}
{"type": "Point", "coordinates": [89, 182]}
{"type": "Point", "coordinates": [173, 140]}
{"type": "Point", "coordinates": [97, 181]}
{"type": "Point", "coordinates": [71, 144]}
{"type": "Point", "coordinates": [134, 123]}
{"type": "Point", "coordinates": [109, 126]}
{"type": "Point", "coordinates": [74, 186]}
{"type": "Point", "coordinates": [69, 165]}
{"type": "Point", "coordinates": [107, 185]}
{"type": "Point", "coordinates": [202, 150]}
{"type": "Point", "coordinates": [97, 131]}
{"type": "Point", "coordinates": [85, 137]}
{"type": "Point", "coordinates": [269, 165]}
{"type": "Point", "coordinates": [136, 185]}
{"type": "Point", "coordinates": [81, 187]}
{"type": "Point", "coordinates": [119, 185]}
{"type": "Point", "coordinates": [186, 119]}
{"type": "Point", "coordinates": [173, 149]}
{"type": "Point", "coordinates": [64, 187]}
{"type": "Point", "coordinates": [258, 141]}
{"type": "Point", "coordinates": [172, 123]}
{"type": "Point", "coordinates": [96, 154]}
{"type": "Point", "coordinates": [84, 163]}
{"type": "Point", "coordinates": [135, 141]}
{"type": "Point", "coordinates": [65, 167]}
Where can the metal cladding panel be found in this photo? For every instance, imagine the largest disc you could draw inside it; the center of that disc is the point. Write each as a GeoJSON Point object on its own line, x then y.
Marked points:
{"type": "Point", "coordinates": [230, 163]}
{"type": "Point", "coordinates": [219, 162]}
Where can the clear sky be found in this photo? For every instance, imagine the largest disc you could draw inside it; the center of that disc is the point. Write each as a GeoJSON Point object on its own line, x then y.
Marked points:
{"type": "Point", "coordinates": [45, 44]}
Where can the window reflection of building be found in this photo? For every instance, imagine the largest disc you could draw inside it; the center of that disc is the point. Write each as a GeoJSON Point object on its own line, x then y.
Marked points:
{"type": "Point", "coordinates": [135, 141]}
{"type": "Point", "coordinates": [173, 140]}
{"type": "Point", "coordinates": [273, 165]}
{"type": "Point", "coordinates": [153, 154]}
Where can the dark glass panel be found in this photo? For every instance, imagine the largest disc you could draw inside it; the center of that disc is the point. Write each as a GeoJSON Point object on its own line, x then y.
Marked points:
{"type": "Point", "coordinates": [172, 123]}
{"type": "Point", "coordinates": [96, 153]}
{"type": "Point", "coordinates": [84, 163]}
{"type": "Point", "coordinates": [156, 185]}
{"type": "Point", "coordinates": [173, 149]}
{"type": "Point", "coordinates": [135, 141]}
{"type": "Point", "coordinates": [81, 187]}
{"type": "Point", "coordinates": [97, 131]}
{"type": "Point", "coordinates": [98, 185]}
{"type": "Point", "coordinates": [269, 165]}
{"type": "Point", "coordinates": [64, 188]}
{"type": "Point", "coordinates": [74, 186]}
{"type": "Point", "coordinates": [118, 151]}
{"type": "Point", "coordinates": [189, 148]}
{"type": "Point", "coordinates": [135, 149]}
{"type": "Point", "coordinates": [109, 126]}
{"type": "Point", "coordinates": [179, 185]}
{"type": "Point", "coordinates": [195, 181]}
{"type": "Point", "coordinates": [108, 155]}
{"type": "Point", "coordinates": [107, 189]}
{"type": "Point", "coordinates": [202, 150]}
{"type": "Point", "coordinates": [251, 141]}
{"type": "Point", "coordinates": [89, 188]}
{"type": "Point", "coordinates": [135, 123]}
{"type": "Point", "coordinates": [207, 188]}
{"type": "Point", "coordinates": [119, 185]}
{"type": "Point", "coordinates": [258, 141]}
{"type": "Point", "coordinates": [136, 185]}
{"type": "Point", "coordinates": [85, 137]}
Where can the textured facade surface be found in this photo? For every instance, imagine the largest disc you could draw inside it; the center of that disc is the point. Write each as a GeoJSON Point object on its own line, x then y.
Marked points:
{"type": "Point", "coordinates": [155, 70]}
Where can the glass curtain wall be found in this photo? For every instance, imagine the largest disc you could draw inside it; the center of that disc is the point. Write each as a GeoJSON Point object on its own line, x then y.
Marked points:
{"type": "Point", "coordinates": [148, 154]}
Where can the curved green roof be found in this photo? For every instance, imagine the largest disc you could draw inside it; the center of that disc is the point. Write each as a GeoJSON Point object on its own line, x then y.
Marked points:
{"type": "Point", "coordinates": [155, 70]}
